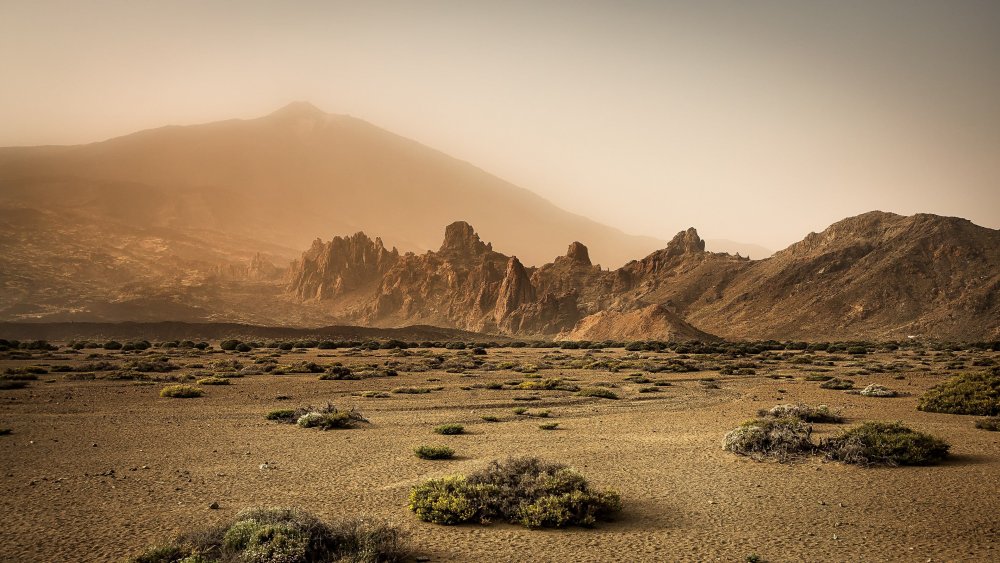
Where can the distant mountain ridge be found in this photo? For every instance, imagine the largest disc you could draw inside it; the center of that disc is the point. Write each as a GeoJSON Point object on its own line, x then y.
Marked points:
{"type": "Point", "coordinates": [877, 275]}
{"type": "Point", "coordinates": [289, 176]}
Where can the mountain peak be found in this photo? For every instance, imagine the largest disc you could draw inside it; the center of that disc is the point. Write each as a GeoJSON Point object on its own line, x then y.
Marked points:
{"type": "Point", "coordinates": [686, 242]}
{"type": "Point", "coordinates": [461, 239]}
{"type": "Point", "coordinates": [298, 109]}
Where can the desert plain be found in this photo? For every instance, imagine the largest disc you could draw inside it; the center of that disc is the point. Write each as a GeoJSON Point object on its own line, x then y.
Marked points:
{"type": "Point", "coordinates": [97, 466]}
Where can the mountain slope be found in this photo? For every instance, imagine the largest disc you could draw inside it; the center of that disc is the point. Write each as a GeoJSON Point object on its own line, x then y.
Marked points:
{"type": "Point", "coordinates": [289, 176]}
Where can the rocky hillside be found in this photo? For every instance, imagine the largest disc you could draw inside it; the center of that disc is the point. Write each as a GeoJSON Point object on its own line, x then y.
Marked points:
{"type": "Point", "coordinates": [878, 275]}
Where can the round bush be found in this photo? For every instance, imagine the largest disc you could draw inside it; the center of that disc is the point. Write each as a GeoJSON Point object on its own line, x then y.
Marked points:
{"type": "Point", "coordinates": [970, 393]}
{"type": "Point", "coordinates": [885, 443]}
{"type": "Point", "coordinates": [434, 452]}
{"type": "Point", "coordinates": [181, 392]}
{"type": "Point", "coordinates": [449, 429]}
{"type": "Point", "coordinates": [777, 438]}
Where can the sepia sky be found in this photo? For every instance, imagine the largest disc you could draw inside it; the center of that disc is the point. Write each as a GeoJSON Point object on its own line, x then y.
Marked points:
{"type": "Point", "coordinates": [757, 121]}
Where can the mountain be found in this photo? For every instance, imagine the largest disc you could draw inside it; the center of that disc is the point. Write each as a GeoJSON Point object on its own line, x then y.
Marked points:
{"type": "Point", "coordinates": [746, 249]}
{"type": "Point", "coordinates": [278, 181]}
{"type": "Point", "coordinates": [874, 276]}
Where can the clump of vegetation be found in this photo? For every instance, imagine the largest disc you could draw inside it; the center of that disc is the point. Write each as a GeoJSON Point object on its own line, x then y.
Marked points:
{"type": "Point", "coordinates": [991, 423]}
{"type": "Point", "coordinates": [214, 381]}
{"type": "Point", "coordinates": [876, 390]}
{"type": "Point", "coordinates": [525, 491]}
{"type": "Point", "coordinates": [838, 384]}
{"type": "Point", "coordinates": [548, 426]}
{"type": "Point", "coordinates": [283, 535]}
{"type": "Point", "coordinates": [325, 418]}
{"type": "Point", "coordinates": [885, 443]}
{"type": "Point", "coordinates": [7, 384]}
{"type": "Point", "coordinates": [411, 390]}
{"type": "Point", "coordinates": [781, 439]}
{"type": "Point", "coordinates": [519, 410]}
{"type": "Point", "coordinates": [5, 431]}
{"type": "Point", "coordinates": [802, 412]}
{"type": "Point", "coordinates": [181, 392]}
{"type": "Point", "coordinates": [599, 392]}
{"type": "Point", "coordinates": [449, 429]}
{"type": "Point", "coordinates": [818, 377]}
{"type": "Point", "coordinates": [490, 418]}
{"type": "Point", "coordinates": [970, 393]}
{"type": "Point", "coordinates": [434, 452]}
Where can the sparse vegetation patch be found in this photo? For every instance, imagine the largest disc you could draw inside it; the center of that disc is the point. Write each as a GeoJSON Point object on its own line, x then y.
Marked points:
{"type": "Point", "coordinates": [885, 443]}
{"type": "Point", "coordinates": [970, 393]}
{"type": "Point", "coordinates": [283, 535]}
{"type": "Point", "coordinates": [524, 491]}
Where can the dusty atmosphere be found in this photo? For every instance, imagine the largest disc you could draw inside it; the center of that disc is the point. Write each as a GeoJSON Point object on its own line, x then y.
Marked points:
{"type": "Point", "coordinates": [98, 466]}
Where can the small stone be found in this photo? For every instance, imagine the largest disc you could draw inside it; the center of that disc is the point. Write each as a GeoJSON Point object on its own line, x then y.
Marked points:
{"type": "Point", "coordinates": [94, 445]}
{"type": "Point", "coordinates": [214, 506]}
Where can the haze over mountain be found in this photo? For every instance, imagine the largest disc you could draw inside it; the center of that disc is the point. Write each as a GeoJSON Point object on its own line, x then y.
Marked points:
{"type": "Point", "coordinates": [288, 177]}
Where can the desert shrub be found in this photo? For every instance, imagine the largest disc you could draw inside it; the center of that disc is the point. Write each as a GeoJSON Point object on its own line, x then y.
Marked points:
{"type": "Point", "coordinates": [838, 384]}
{"type": "Point", "coordinates": [181, 392]}
{"type": "Point", "coordinates": [519, 410]}
{"type": "Point", "coordinates": [243, 347]}
{"type": "Point", "coordinates": [339, 372]}
{"type": "Point", "coordinates": [971, 393]}
{"type": "Point", "coordinates": [112, 345]}
{"type": "Point", "coordinates": [818, 377]}
{"type": "Point", "coordinates": [876, 390]}
{"type": "Point", "coordinates": [288, 416]}
{"type": "Point", "coordinates": [490, 418]}
{"type": "Point", "coordinates": [802, 412]}
{"type": "Point", "coordinates": [281, 535]}
{"type": "Point", "coordinates": [24, 372]}
{"type": "Point", "coordinates": [524, 491]}
{"type": "Point", "coordinates": [991, 423]}
{"type": "Point", "coordinates": [449, 429]}
{"type": "Point", "coordinates": [434, 452]}
{"type": "Point", "coordinates": [548, 426]}
{"type": "Point", "coordinates": [550, 384]}
{"type": "Point", "coordinates": [597, 392]}
{"type": "Point", "coordinates": [885, 443]}
{"type": "Point", "coordinates": [327, 418]}
{"type": "Point", "coordinates": [229, 345]}
{"type": "Point", "coordinates": [772, 438]}
{"type": "Point", "coordinates": [411, 390]}
{"type": "Point", "coordinates": [213, 381]}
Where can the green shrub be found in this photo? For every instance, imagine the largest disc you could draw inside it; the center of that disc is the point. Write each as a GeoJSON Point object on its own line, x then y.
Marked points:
{"type": "Point", "coordinates": [971, 393]}
{"type": "Point", "coordinates": [599, 392]}
{"type": "Point", "coordinates": [214, 381]}
{"type": "Point", "coordinates": [525, 491]}
{"type": "Point", "coordinates": [991, 423]}
{"type": "Point", "coordinates": [519, 410]}
{"type": "Point", "coordinates": [449, 429]}
{"type": "Point", "coordinates": [181, 392]}
{"type": "Point", "coordinates": [802, 412]}
{"type": "Point", "coordinates": [773, 438]}
{"type": "Point", "coordinates": [838, 384]}
{"type": "Point", "coordinates": [280, 535]}
{"type": "Point", "coordinates": [490, 418]}
{"type": "Point", "coordinates": [434, 452]}
{"type": "Point", "coordinates": [885, 443]}
{"type": "Point", "coordinates": [548, 426]}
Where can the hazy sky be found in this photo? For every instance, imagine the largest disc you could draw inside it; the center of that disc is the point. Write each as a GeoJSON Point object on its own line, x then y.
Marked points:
{"type": "Point", "coordinates": [757, 121]}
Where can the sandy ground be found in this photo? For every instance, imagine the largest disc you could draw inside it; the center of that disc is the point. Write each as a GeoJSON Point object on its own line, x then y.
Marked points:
{"type": "Point", "coordinates": [98, 470]}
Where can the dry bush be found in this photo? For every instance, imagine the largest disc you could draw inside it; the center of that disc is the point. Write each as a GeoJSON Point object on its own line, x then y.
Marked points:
{"type": "Point", "coordinates": [885, 443]}
{"type": "Point", "coordinates": [803, 412]}
{"type": "Point", "coordinates": [781, 439]}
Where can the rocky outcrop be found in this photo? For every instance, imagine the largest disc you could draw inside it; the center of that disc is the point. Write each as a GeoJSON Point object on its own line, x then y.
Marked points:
{"type": "Point", "coordinates": [329, 270]}
{"type": "Point", "coordinates": [877, 275]}
{"type": "Point", "coordinates": [257, 269]}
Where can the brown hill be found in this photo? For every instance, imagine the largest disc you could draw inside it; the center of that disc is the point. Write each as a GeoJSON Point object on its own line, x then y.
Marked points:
{"type": "Point", "coordinates": [654, 322]}
{"type": "Point", "coordinates": [284, 178]}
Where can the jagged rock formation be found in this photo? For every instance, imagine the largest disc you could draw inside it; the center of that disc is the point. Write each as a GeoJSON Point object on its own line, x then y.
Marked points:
{"type": "Point", "coordinates": [329, 270]}
{"type": "Point", "coordinates": [878, 275]}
